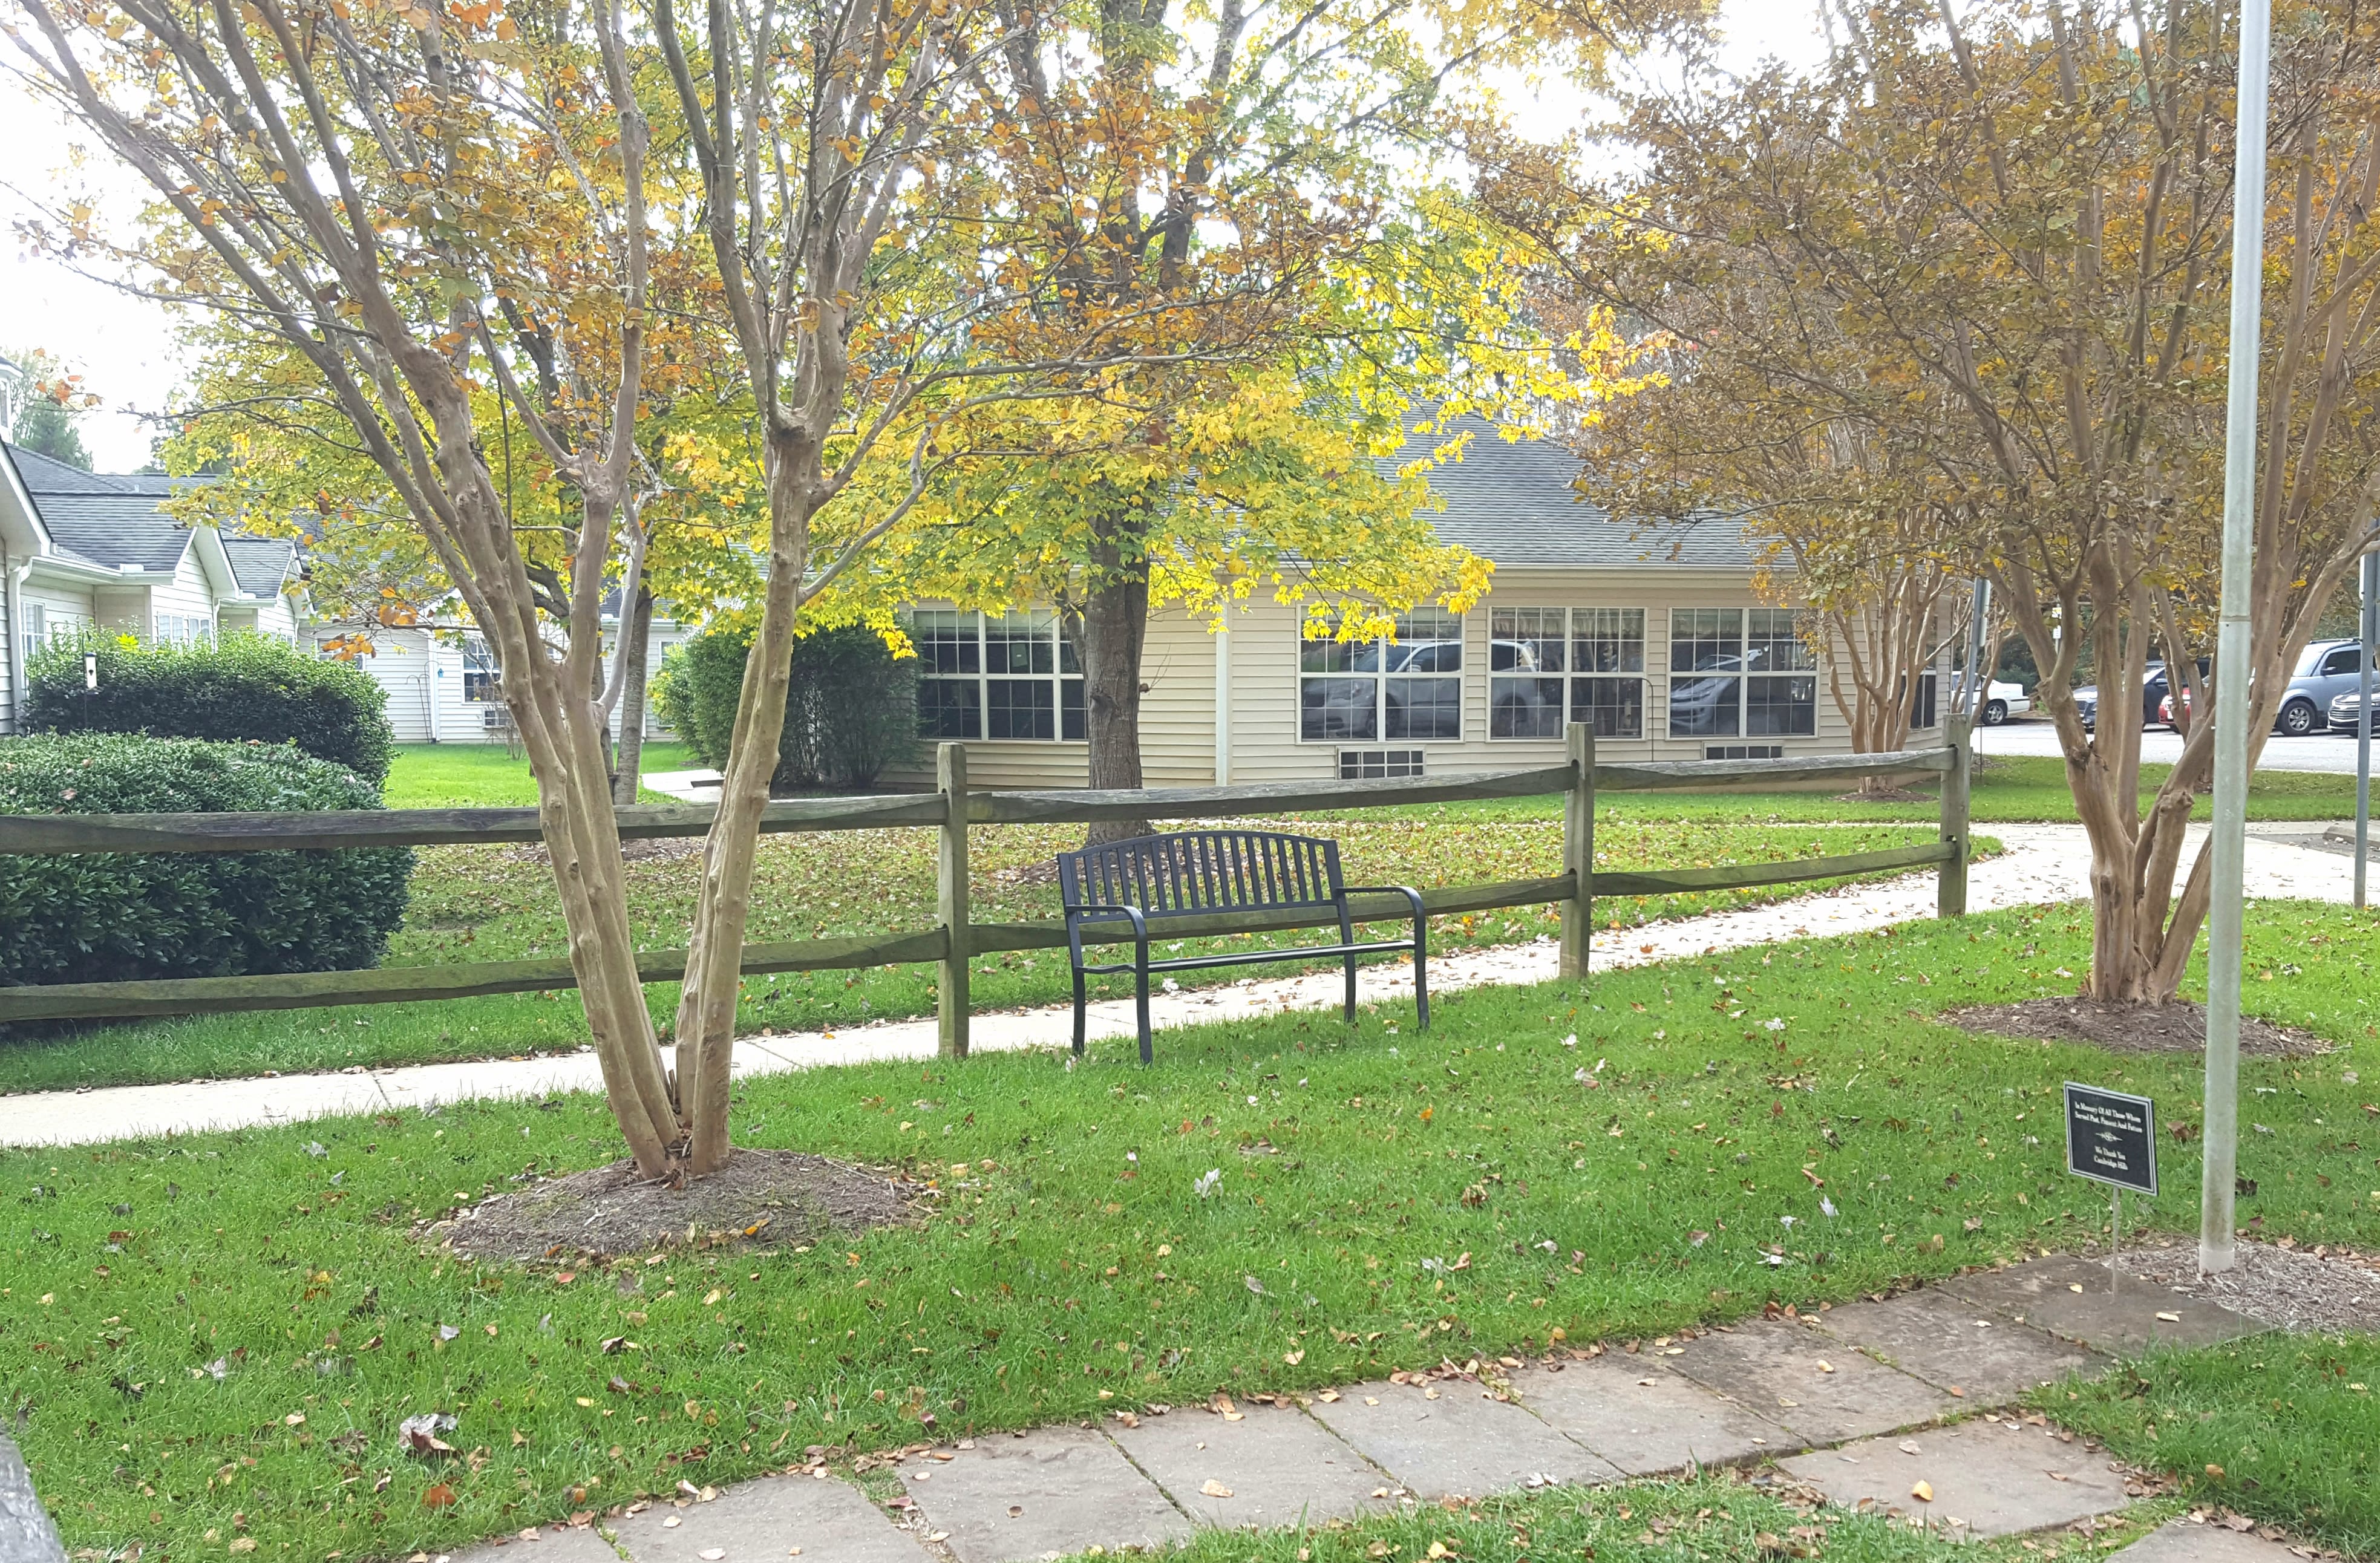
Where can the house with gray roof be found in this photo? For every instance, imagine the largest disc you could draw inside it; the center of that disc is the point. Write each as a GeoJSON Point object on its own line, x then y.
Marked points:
{"type": "Point", "coordinates": [1655, 636]}
{"type": "Point", "coordinates": [87, 548]}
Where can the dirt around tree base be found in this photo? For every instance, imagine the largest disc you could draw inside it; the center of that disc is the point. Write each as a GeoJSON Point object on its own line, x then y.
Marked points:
{"type": "Point", "coordinates": [771, 1197]}
{"type": "Point", "coordinates": [1886, 795]}
{"type": "Point", "coordinates": [2177, 1027]}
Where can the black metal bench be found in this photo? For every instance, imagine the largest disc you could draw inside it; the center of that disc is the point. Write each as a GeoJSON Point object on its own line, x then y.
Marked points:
{"type": "Point", "coordinates": [1151, 879]}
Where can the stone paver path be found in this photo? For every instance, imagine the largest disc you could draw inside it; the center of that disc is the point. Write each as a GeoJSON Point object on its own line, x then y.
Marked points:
{"type": "Point", "coordinates": [1867, 1431]}
{"type": "Point", "coordinates": [2043, 864]}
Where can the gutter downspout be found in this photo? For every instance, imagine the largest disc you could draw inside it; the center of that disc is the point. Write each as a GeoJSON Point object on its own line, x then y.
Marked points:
{"type": "Point", "coordinates": [1222, 638]}
{"type": "Point", "coordinates": [12, 580]}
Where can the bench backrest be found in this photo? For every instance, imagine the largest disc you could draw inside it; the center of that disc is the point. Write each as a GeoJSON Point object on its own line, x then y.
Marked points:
{"type": "Point", "coordinates": [1202, 871]}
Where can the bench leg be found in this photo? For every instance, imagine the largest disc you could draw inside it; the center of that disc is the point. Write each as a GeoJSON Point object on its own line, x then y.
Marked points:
{"type": "Point", "coordinates": [1081, 999]}
{"type": "Point", "coordinates": [1421, 971]}
{"type": "Point", "coordinates": [1140, 996]}
{"type": "Point", "coordinates": [1350, 1014]}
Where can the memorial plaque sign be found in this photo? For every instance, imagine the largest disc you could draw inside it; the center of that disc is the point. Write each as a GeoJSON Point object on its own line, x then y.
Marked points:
{"type": "Point", "coordinates": [2111, 1137]}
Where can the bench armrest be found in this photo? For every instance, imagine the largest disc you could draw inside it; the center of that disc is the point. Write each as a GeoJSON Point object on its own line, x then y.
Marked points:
{"type": "Point", "coordinates": [1139, 918]}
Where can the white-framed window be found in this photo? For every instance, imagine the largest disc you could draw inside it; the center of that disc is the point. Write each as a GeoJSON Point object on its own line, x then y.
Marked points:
{"type": "Point", "coordinates": [1741, 672]}
{"type": "Point", "coordinates": [1013, 675]}
{"type": "Point", "coordinates": [181, 629]}
{"type": "Point", "coordinates": [1546, 666]}
{"type": "Point", "coordinates": [1925, 704]}
{"type": "Point", "coordinates": [1406, 689]}
{"type": "Point", "coordinates": [34, 633]}
{"type": "Point", "coordinates": [482, 686]}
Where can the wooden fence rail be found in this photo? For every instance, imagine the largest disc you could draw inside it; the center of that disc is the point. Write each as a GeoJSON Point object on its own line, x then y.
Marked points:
{"type": "Point", "coordinates": [952, 810]}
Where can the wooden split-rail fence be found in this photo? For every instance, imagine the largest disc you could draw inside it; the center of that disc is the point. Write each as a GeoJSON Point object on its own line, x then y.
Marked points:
{"type": "Point", "coordinates": [957, 938]}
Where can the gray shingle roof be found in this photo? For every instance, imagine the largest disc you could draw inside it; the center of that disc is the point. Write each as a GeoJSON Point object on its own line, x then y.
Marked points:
{"type": "Point", "coordinates": [44, 476]}
{"type": "Point", "coordinates": [1511, 501]}
{"type": "Point", "coordinates": [260, 564]}
{"type": "Point", "coordinates": [114, 529]}
{"type": "Point", "coordinates": [110, 519]}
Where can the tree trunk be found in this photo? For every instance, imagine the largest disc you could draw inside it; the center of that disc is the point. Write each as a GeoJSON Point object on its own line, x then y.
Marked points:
{"type": "Point", "coordinates": [1115, 634]}
{"type": "Point", "coordinates": [706, 1012]}
{"type": "Point", "coordinates": [636, 654]}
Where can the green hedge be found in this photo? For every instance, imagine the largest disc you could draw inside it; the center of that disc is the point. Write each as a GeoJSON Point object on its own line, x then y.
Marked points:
{"type": "Point", "coordinates": [246, 689]}
{"type": "Point", "coordinates": [110, 916]}
{"type": "Point", "coordinates": [851, 709]}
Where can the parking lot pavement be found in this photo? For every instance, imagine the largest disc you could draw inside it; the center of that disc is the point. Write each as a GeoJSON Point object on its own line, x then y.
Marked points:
{"type": "Point", "coordinates": [2326, 752]}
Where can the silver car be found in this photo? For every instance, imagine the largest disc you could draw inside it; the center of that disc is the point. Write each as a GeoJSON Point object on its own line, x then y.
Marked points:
{"type": "Point", "coordinates": [2326, 669]}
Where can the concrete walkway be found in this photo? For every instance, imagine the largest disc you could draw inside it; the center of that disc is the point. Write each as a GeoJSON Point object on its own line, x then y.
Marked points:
{"type": "Point", "coordinates": [1854, 1405]}
{"type": "Point", "coordinates": [2042, 864]}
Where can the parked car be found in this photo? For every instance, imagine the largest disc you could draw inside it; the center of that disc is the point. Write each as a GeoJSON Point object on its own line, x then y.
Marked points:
{"type": "Point", "coordinates": [2328, 673]}
{"type": "Point", "coordinates": [2343, 711]}
{"type": "Point", "coordinates": [2326, 669]}
{"type": "Point", "coordinates": [2152, 693]}
{"type": "Point", "coordinates": [2002, 701]}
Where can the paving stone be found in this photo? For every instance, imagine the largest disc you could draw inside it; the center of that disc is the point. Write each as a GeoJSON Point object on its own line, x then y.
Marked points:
{"type": "Point", "coordinates": [1644, 1419]}
{"type": "Point", "coordinates": [1999, 1478]}
{"type": "Point", "coordinates": [25, 1529]}
{"type": "Point", "coordinates": [1055, 1490]}
{"type": "Point", "coordinates": [2182, 1541]}
{"type": "Point", "coordinates": [1950, 1343]}
{"type": "Point", "coordinates": [759, 1522]}
{"type": "Point", "coordinates": [1453, 1438]}
{"type": "Point", "coordinates": [1277, 1466]}
{"type": "Point", "coordinates": [2071, 1297]}
{"type": "Point", "coordinates": [554, 1544]}
{"type": "Point", "coordinates": [1820, 1389]}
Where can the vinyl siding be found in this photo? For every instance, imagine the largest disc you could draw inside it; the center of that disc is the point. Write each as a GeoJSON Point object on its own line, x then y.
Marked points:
{"type": "Point", "coordinates": [417, 672]}
{"type": "Point", "coordinates": [1265, 743]}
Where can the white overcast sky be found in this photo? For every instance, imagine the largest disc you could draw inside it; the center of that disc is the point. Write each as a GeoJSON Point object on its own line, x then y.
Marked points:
{"type": "Point", "coordinates": [123, 345]}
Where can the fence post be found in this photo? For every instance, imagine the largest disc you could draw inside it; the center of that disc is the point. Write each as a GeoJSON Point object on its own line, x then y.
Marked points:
{"type": "Point", "coordinates": [1578, 851]}
{"type": "Point", "coordinates": [951, 901]}
{"type": "Point", "coordinates": [1957, 730]}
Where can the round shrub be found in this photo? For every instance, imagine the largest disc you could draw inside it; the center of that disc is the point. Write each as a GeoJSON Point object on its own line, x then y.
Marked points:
{"type": "Point", "coordinates": [851, 707]}
{"type": "Point", "coordinates": [247, 688]}
{"type": "Point", "coordinates": [120, 916]}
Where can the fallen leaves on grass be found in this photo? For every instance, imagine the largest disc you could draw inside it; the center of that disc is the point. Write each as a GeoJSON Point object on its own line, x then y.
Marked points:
{"type": "Point", "coordinates": [418, 1434]}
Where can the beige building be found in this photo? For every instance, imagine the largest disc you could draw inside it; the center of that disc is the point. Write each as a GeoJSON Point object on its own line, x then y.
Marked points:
{"type": "Point", "coordinates": [1655, 637]}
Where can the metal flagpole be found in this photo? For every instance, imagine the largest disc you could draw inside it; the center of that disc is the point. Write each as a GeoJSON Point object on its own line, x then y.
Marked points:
{"type": "Point", "coordinates": [2220, 1166]}
{"type": "Point", "coordinates": [1980, 642]}
{"type": "Point", "coordinates": [2370, 629]}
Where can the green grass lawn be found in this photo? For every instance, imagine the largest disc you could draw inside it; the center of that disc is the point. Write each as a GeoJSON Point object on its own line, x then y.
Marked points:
{"type": "Point", "coordinates": [490, 904]}
{"type": "Point", "coordinates": [2286, 1428]}
{"type": "Point", "coordinates": [484, 776]}
{"type": "Point", "coordinates": [1384, 1199]}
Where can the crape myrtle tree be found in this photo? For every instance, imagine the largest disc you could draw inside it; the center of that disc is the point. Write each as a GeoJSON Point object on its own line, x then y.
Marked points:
{"type": "Point", "coordinates": [428, 205]}
{"type": "Point", "coordinates": [403, 196]}
{"type": "Point", "coordinates": [1993, 240]}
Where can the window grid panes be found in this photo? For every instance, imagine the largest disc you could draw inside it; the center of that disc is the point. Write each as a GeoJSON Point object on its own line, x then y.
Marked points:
{"type": "Point", "coordinates": [1549, 666]}
{"type": "Point", "coordinates": [480, 680]}
{"type": "Point", "coordinates": [1002, 675]}
{"type": "Point", "coordinates": [1410, 688]}
{"type": "Point", "coordinates": [1737, 673]}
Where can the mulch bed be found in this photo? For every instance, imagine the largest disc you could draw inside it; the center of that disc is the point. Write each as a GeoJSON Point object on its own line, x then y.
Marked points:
{"type": "Point", "coordinates": [2302, 1289]}
{"type": "Point", "coordinates": [771, 1197]}
{"type": "Point", "coordinates": [1887, 794]}
{"type": "Point", "coordinates": [2177, 1027]}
